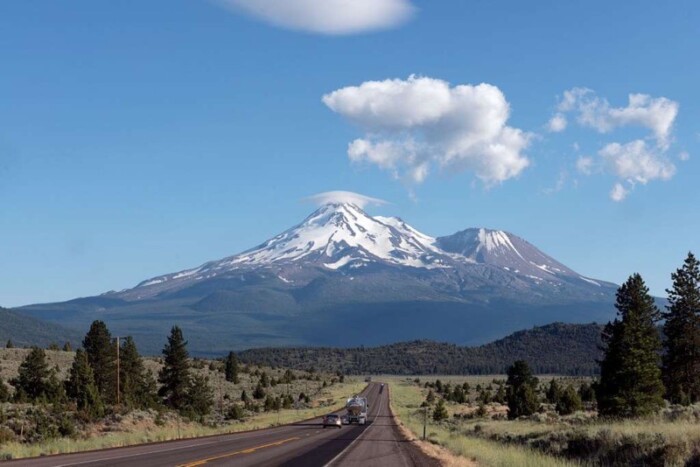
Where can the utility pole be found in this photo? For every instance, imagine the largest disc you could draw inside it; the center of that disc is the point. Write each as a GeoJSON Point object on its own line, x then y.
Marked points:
{"type": "Point", "coordinates": [118, 369]}
{"type": "Point", "coordinates": [425, 420]}
{"type": "Point", "coordinates": [118, 372]}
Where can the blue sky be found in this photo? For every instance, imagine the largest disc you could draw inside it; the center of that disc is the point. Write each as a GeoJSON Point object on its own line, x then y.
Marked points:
{"type": "Point", "coordinates": [140, 138]}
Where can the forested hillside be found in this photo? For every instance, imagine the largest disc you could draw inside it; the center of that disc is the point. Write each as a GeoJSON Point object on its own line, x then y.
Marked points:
{"type": "Point", "coordinates": [570, 349]}
{"type": "Point", "coordinates": [24, 330]}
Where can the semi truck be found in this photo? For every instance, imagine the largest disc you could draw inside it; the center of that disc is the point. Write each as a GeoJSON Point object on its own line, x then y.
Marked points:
{"type": "Point", "coordinates": [356, 410]}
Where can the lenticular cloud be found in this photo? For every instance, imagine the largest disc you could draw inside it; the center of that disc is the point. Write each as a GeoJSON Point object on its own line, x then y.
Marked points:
{"type": "Point", "coordinates": [328, 16]}
{"type": "Point", "coordinates": [412, 126]}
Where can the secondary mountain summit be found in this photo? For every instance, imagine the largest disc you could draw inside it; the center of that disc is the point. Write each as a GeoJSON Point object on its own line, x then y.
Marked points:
{"type": "Point", "coordinates": [343, 277]}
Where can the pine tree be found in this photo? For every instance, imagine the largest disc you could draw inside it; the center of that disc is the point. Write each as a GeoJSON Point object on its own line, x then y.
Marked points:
{"type": "Point", "coordinates": [681, 361]}
{"type": "Point", "coordinates": [138, 387]}
{"type": "Point", "coordinates": [630, 378]}
{"type": "Point", "coordinates": [81, 386]}
{"type": "Point", "coordinates": [554, 392]}
{"type": "Point", "coordinates": [101, 356]}
{"type": "Point", "coordinates": [200, 398]}
{"type": "Point", "coordinates": [4, 391]}
{"type": "Point", "coordinates": [259, 392]}
{"type": "Point", "coordinates": [32, 381]}
{"type": "Point", "coordinates": [232, 368]}
{"type": "Point", "coordinates": [175, 375]}
{"type": "Point", "coordinates": [569, 401]}
{"type": "Point", "coordinates": [67, 347]}
{"type": "Point", "coordinates": [586, 392]}
{"type": "Point", "coordinates": [9, 344]}
{"type": "Point", "coordinates": [244, 396]}
{"type": "Point", "coordinates": [440, 411]}
{"type": "Point", "coordinates": [521, 390]}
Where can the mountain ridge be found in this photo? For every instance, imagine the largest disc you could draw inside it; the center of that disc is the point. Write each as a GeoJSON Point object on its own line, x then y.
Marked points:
{"type": "Point", "coordinates": [341, 268]}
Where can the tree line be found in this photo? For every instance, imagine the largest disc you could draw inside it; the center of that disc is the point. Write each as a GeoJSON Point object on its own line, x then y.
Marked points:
{"type": "Point", "coordinates": [107, 374]}
{"type": "Point", "coordinates": [639, 369]}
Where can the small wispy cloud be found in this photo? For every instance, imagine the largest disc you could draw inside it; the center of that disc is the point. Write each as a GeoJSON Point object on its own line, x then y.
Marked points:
{"type": "Point", "coordinates": [334, 17]}
{"type": "Point", "coordinates": [635, 162]}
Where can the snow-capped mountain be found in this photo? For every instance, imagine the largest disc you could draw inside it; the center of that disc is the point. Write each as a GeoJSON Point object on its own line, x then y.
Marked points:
{"type": "Point", "coordinates": [343, 237]}
{"type": "Point", "coordinates": [341, 268]}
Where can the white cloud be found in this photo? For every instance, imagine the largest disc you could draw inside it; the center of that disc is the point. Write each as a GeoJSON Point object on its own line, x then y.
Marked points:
{"type": "Point", "coordinates": [618, 192]}
{"type": "Point", "coordinates": [557, 123]}
{"type": "Point", "coordinates": [584, 164]}
{"type": "Point", "coordinates": [328, 16]}
{"type": "Point", "coordinates": [636, 162]}
{"type": "Point", "coordinates": [684, 156]}
{"type": "Point", "coordinates": [331, 197]}
{"type": "Point", "coordinates": [657, 114]}
{"type": "Point", "coordinates": [413, 124]}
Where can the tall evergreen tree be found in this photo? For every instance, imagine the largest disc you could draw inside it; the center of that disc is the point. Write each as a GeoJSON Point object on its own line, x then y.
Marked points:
{"type": "Point", "coordinates": [101, 356]}
{"type": "Point", "coordinates": [81, 386]}
{"type": "Point", "coordinates": [630, 378]}
{"type": "Point", "coordinates": [4, 391]}
{"type": "Point", "coordinates": [232, 368]}
{"type": "Point", "coordinates": [200, 398]}
{"type": "Point", "coordinates": [32, 381]}
{"type": "Point", "coordinates": [681, 361]}
{"type": "Point", "coordinates": [521, 390]}
{"type": "Point", "coordinates": [9, 344]}
{"type": "Point", "coordinates": [138, 388]}
{"type": "Point", "coordinates": [175, 375]}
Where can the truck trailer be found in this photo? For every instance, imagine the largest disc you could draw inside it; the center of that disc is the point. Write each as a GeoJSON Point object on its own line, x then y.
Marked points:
{"type": "Point", "coordinates": [356, 410]}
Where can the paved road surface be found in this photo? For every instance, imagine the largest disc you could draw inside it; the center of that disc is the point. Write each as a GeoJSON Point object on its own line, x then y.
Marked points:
{"type": "Point", "coordinates": [379, 443]}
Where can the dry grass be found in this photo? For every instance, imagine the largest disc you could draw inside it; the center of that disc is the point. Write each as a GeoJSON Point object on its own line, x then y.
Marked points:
{"type": "Point", "coordinates": [141, 427]}
{"type": "Point", "coordinates": [406, 400]}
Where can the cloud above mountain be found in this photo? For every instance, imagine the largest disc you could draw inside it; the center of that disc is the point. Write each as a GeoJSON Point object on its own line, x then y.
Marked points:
{"type": "Point", "coordinates": [333, 17]}
{"type": "Point", "coordinates": [332, 197]}
{"type": "Point", "coordinates": [415, 125]}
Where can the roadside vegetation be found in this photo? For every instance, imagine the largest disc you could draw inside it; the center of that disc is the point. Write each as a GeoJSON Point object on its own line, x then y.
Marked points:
{"type": "Point", "coordinates": [58, 401]}
{"type": "Point", "coordinates": [644, 409]}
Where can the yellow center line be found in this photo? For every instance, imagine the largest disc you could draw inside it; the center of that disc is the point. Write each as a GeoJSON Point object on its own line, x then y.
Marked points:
{"type": "Point", "coordinates": [235, 453]}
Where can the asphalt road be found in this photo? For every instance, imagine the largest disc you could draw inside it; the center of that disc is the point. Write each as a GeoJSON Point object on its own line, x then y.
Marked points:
{"type": "Point", "coordinates": [379, 443]}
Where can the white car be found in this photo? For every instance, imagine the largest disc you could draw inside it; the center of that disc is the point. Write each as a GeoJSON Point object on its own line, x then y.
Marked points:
{"type": "Point", "coordinates": [332, 420]}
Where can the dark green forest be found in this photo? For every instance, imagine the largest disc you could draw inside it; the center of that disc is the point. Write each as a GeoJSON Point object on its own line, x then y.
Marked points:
{"type": "Point", "coordinates": [557, 348]}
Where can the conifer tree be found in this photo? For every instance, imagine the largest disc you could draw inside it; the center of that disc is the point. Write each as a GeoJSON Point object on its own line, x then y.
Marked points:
{"type": "Point", "coordinates": [138, 387]}
{"type": "Point", "coordinates": [259, 392]}
{"type": "Point", "coordinates": [681, 361]}
{"type": "Point", "coordinates": [9, 344]}
{"type": "Point", "coordinates": [81, 386]}
{"type": "Point", "coordinates": [4, 391]}
{"type": "Point", "coordinates": [232, 368]}
{"type": "Point", "coordinates": [521, 390]}
{"type": "Point", "coordinates": [569, 401]}
{"type": "Point", "coordinates": [630, 378]}
{"type": "Point", "coordinates": [67, 347]}
{"type": "Point", "coordinates": [200, 398]}
{"type": "Point", "coordinates": [101, 356]}
{"type": "Point", "coordinates": [175, 375]}
{"type": "Point", "coordinates": [440, 411]}
{"type": "Point", "coordinates": [32, 381]}
{"type": "Point", "coordinates": [554, 392]}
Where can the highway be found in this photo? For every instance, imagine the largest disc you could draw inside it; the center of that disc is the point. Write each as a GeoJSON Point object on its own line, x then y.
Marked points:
{"type": "Point", "coordinates": [379, 443]}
